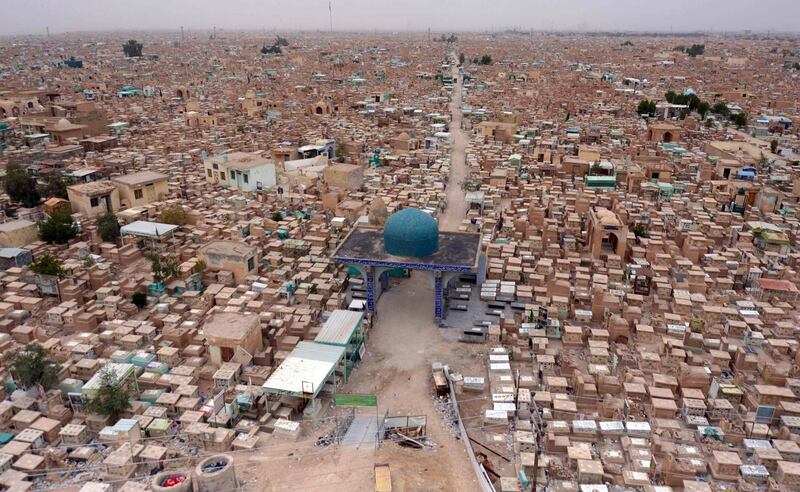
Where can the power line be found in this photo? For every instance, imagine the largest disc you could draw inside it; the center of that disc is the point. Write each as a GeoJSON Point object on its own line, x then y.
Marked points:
{"type": "Point", "coordinates": [288, 446]}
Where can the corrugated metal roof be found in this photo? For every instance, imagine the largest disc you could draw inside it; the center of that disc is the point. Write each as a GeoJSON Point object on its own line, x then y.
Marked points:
{"type": "Point", "coordinates": [309, 363]}
{"type": "Point", "coordinates": [147, 229]}
{"type": "Point", "coordinates": [125, 425]}
{"type": "Point", "coordinates": [12, 252]}
{"type": "Point", "coordinates": [340, 327]}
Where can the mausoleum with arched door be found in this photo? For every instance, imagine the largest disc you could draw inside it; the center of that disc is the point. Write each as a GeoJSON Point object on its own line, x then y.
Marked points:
{"type": "Point", "coordinates": [410, 240]}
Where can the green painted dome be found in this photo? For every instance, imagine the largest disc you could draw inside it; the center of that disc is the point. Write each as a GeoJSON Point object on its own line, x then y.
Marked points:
{"type": "Point", "coordinates": [411, 232]}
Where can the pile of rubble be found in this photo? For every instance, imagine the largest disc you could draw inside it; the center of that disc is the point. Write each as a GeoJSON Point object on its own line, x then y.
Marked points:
{"type": "Point", "coordinates": [444, 407]}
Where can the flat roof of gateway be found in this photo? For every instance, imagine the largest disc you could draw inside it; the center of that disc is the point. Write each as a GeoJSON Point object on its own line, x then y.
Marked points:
{"type": "Point", "coordinates": [458, 251]}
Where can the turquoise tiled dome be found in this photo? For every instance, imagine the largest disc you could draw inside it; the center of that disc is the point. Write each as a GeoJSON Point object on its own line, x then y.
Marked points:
{"type": "Point", "coordinates": [411, 232]}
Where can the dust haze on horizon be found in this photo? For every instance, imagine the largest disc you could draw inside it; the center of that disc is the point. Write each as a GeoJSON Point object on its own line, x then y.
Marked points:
{"type": "Point", "coordinates": [35, 16]}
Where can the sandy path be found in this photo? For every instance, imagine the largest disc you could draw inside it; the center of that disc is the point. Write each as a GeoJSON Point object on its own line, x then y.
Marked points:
{"type": "Point", "coordinates": [456, 207]}
{"type": "Point", "coordinates": [401, 348]}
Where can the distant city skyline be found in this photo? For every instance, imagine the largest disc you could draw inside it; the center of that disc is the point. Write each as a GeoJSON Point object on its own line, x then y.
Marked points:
{"type": "Point", "coordinates": [36, 16]}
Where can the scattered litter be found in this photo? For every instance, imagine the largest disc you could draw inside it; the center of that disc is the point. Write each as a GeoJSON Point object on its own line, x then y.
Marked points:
{"type": "Point", "coordinates": [173, 481]}
{"type": "Point", "coordinates": [325, 441]}
{"type": "Point", "coordinates": [421, 442]}
{"type": "Point", "coordinates": [214, 467]}
{"type": "Point", "coordinates": [445, 409]}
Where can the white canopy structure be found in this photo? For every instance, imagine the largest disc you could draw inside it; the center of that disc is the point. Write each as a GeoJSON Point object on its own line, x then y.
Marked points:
{"type": "Point", "coordinates": [305, 371]}
{"type": "Point", "coordinates": [340, 327]}
{"type": "Point", "coordinates": [141, 228]}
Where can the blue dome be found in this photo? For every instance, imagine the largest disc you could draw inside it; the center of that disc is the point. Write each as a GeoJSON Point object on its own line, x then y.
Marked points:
{"type": "Point", "coordinates": [411, 232]}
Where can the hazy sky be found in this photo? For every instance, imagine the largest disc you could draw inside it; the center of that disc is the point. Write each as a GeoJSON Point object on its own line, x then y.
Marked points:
{"type": "Point", "coordinates": [32, 16]}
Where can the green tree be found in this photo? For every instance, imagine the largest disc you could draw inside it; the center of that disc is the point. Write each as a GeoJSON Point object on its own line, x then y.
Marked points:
{"type": "Point", "coordinates": [48, 265]}
{"type": "Point", "coordinates": [646, 108]}
{"type": "Point", "coordinates": [671, 97]}
{"type": "Point", "coordinates": [692, 101]}
{"type": "Point", "coordinates": [277, 216]}
{"type": "Point", "coordinates": [773, 146]}
{"type": "Point", "coordinates": [461, 58]}
{"type": "Point", "coordinates": [108, 227]}
{"type": "Point", "coordinates": [639, 230]}
{"type": "Point", "coordinates": [175, 215]}
{"type": "Point", "coordinates": [720, 108]}
{"type": "Point", "coordinates": [163, 267]}
{"type": "Point", "coordinates": [111, 399]}
{"type": "Point", "coordinates": [139, 299]}
{"type": "Point", "coordinates": [54, 185]}
{"type": "Point", "coordinates": [21, 186]}
{"type": "Point", "coordinates": [341, 153]}
{"type": "Point", "coordinates": [274, 49]}
{"type": "Point", "coordinates": [31, 367]}
{"type": "Point", "coordinates": [452, 38]}
{"type": "Point", "coordinates": [279, 41]}
{"type": "Point", "coordinates": [486, 60]}
{"type": "Point", "coordinates": [739, 119]}
{"type": "Point", "coordinates": [696, 49]}
{"type": "Point", "coordinates": [703, 108]}
{"type": "Point", "coordinates": [59, 228]}
{"type": "Point", "coordinates": [132, 48]}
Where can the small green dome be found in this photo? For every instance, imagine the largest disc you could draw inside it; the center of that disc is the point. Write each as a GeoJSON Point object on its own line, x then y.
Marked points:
{"type": "Point", "coordinates": [411, 232]}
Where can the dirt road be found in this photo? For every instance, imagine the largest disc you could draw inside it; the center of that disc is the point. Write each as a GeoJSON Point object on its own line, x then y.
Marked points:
{"type": "Point", "coordinates": [456, 207]}
{"type": "Point", "coordinates": [402, 344]}
{"type": "Point", "coordinates": [405, 341]}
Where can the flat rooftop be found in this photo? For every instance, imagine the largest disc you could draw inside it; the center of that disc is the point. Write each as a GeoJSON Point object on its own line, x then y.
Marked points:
{"type": "Point", "coordinates": [230, 326]}
{"type": "Point", "coordinates": [140, 178]}
{"type": "Point", "coordinates": [458, 251]}
{"type": "Point", "coordinates": [14, 225]}
{"type": "Point", "coordinates": [240, 160]}
{"type": "Point", "coordinates": [95, 188]}
{"type": "Point", "coordinates": [233, 249]}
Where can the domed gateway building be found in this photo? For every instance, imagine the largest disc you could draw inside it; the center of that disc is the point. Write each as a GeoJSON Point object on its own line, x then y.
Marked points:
{"type": "Point", "coordinates": [411, 232]}
{"type": "Point", "coordinates": [411, 240]}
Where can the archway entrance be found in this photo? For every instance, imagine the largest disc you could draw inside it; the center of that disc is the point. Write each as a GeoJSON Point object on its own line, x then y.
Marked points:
{"type": "Point", "coordinates": [609, 244]}
{"type": "Point", "coordinates": [363, 250]}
